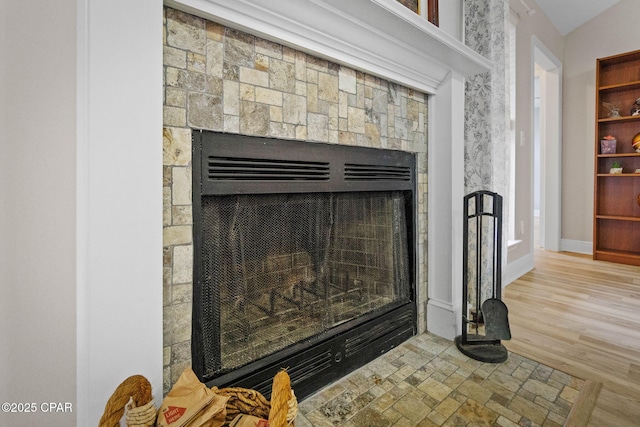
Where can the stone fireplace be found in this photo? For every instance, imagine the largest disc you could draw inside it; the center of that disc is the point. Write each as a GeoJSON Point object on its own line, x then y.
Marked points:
{"type": "Point", "coordinates": [116, 84]}
{"type": "Point", "coordinates": [224, 80]}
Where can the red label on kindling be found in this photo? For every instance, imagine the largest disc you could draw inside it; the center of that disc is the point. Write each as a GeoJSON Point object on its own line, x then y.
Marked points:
{"type": "Point", "coordinates": [263, 423]}
{"type": "Point", "coordinates": [173, 413]}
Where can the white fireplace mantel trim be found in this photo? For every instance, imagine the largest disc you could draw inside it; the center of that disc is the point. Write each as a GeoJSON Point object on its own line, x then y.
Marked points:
{"type": "Point", "coordinates": [381, 37]}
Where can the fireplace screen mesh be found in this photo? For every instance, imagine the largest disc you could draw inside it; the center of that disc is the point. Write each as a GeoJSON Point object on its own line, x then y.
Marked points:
{"type": "Point", "coordinates": [278, 269]}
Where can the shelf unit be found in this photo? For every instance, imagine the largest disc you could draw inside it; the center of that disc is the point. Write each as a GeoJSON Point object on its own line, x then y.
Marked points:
{"type": "Point", "coordinates": [616, 223]}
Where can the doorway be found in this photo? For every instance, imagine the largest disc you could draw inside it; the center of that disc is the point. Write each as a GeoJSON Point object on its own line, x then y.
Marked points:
{"type": "Point", "coordinates": [546, 149]}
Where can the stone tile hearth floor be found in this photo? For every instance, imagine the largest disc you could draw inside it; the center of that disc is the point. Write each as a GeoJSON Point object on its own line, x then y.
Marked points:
{"type": "Point", "coordinates": [427, 382]}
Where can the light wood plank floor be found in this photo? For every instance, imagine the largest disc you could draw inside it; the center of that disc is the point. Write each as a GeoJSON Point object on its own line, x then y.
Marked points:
{"type": "Point", "coordinates": [582, 317]}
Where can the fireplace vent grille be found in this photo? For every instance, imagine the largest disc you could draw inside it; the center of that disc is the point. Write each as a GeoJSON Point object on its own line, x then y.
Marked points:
{"type": "Point", "coordinates": [389, 328]}
{"type": "Point", "coordinates": [229, 168]}
{"type": "Point", "coordinates": [357, 172]}
{"type": "Point", "coordinates": [239, 164]}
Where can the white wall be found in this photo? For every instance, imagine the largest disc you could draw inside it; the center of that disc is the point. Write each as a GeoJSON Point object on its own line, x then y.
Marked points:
{"type": "Point", "coordinates": [520, 258]}
{"type": "Point", "coordinates": [614, 31]}
{"type": "Point", "coordinates": [450, 18]}
{"type": "Point", "coordinates": [37, 208]}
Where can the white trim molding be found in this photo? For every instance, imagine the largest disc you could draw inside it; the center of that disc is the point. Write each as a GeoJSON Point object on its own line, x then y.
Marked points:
{"type": "Point", "coordinates": [551, 144]}
{"type": "Point", "coordinates": [119, 208]}
{"type": "Point", "coordinates": [380, 37]}
{"type": "Point", "coordinates": [445, 213]}
{"type": "Point", "coordinates": [442, 319]}
{"type": "Point", "coordinates": [517, 269]}
{"type": "Point", "coordinates": [577, 246]}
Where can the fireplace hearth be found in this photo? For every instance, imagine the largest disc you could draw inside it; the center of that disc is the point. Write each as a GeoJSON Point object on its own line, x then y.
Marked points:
{"type": "Point", "coordinates": [303, 259]}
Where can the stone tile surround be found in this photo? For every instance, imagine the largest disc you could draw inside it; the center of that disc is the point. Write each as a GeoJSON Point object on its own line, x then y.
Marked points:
{"type": "Point", "coordinates": [224, 80]}
{"type": "Point", "coordinates": [427, 382]}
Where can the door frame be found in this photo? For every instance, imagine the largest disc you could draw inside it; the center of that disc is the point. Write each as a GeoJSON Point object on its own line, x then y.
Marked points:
{"type": "Point", "coordinates": [550, 146]}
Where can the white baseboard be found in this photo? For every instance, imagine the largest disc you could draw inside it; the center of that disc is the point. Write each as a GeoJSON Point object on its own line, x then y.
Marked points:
{"type": "Point", "coordinates": [517, 268]}
{"type": "Point", "coordinates": [577, 246]}
{"type": "Point", "coordinates": [442, 319]}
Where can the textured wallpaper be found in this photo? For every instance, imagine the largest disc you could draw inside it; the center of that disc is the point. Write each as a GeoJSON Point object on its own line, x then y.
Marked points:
{"type": "Point", "coordinates": [486, 118]}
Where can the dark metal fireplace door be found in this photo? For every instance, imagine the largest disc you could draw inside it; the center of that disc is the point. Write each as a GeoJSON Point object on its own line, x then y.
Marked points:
{"type": "Point", "coordinates": [303, 259]}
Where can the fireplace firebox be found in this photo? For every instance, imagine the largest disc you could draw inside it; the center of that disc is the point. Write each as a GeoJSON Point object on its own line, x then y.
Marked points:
{"type": "Point", "coordinates": [303, 259]}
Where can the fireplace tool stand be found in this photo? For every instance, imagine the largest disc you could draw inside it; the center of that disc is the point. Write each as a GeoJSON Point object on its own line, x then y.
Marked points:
{"type": "Point", "coordinates": [484, 316]}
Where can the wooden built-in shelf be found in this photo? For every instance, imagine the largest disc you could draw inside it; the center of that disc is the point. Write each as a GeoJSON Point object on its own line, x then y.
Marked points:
{"type": "Point", "coordinates": [616, 219]}
{"type": "Point", "coordinates": [620, 119]}
{"type": "Point", "coordinates": [619, 218]}
{"type": "Point", "coordinates": [622, 257]}
{"type": "Point", "coordinates": [619, 155]}
{"type": "Point", "coordinates": [620, 87]}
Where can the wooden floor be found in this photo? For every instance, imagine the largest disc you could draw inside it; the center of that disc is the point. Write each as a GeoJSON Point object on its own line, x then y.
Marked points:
{"type": "Point", "coordinates": [582, 317]}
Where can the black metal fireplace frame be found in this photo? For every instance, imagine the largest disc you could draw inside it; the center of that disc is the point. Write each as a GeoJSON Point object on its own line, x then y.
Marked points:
{"type": "Point", "coordinates": [267, 165]}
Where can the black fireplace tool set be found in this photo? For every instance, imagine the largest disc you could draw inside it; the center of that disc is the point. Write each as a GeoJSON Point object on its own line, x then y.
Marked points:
{"type": "Point", "coordinates": [485, 319]}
